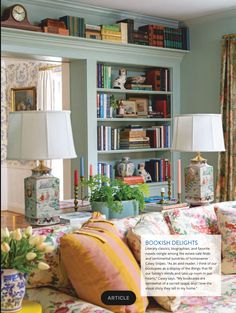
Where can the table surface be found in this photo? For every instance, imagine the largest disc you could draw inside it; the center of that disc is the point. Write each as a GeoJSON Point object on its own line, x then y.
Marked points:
{"type": "Point", "coordinates": [13, 220]}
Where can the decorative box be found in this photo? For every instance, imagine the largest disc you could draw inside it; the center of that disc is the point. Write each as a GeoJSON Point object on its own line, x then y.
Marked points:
{"type": "Point", "coordinates": [42, 200]}
{"type": "Point", "coordinates": [199, 186]}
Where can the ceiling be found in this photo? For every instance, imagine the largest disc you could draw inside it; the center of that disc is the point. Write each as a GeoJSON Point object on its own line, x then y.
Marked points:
{"type": "Point", "coordinates": [171, 9]}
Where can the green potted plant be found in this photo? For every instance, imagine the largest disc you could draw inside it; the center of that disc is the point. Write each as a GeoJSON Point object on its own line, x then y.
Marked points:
{"type": "Point", "coordinates": [21, 252]}
{"type": "Point", "coordinates": [114, 198]}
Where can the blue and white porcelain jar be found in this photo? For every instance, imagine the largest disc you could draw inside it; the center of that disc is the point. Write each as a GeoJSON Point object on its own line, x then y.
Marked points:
{"type": "Point", "coordinates": [12, 290]}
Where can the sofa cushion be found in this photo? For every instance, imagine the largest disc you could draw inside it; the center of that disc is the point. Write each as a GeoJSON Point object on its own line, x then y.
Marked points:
{"type": "Point", "coordinates": [192, 221]}
{"type": "Point", "coordinates": [226, 215]}
{"type": "Point", "coordinates": [151, 224]}
{"type": "Point", "coordinates": [97, 260]}
{"type": "Point", "coordinates": [54, 301]}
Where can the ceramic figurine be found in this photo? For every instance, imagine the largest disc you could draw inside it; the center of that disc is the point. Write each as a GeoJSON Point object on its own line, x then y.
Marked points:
{"type": "Point", "coordinates": [142, 172]}
{"type": "Point", "coordinates": [119, 82]}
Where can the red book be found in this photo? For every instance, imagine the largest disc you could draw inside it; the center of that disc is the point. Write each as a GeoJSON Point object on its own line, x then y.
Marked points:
{"type": "Point", "coordinates": [161, 108]}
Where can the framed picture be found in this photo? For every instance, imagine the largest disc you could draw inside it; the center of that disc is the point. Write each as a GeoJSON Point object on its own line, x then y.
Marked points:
{"type": "Point", "coordinates": [23, 99]}
{"type": "Point", "coordinates": [141, 106]}
{"type": "Point", "coordinates": [129, 108]}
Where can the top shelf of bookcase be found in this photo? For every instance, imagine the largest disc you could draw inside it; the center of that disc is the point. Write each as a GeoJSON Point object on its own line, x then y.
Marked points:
{"type": "Point", "coordinates": [145, 92]}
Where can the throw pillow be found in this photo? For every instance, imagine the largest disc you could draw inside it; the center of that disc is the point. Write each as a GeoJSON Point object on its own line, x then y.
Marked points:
{"type": "Point", "coordinates": [55, 276]}
{"type": "Point", "coordinates": [227, 226]}
{"type": "Point", "coordinates": [192, 221]}
{"type": "Point", "coordinates": [151, 224]}
{"type": "Point", "coordinates": [97, 260]}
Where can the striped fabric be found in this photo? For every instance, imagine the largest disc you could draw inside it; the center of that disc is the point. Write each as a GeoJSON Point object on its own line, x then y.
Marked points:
{"type": "Point", "coordinates": [97, 260]}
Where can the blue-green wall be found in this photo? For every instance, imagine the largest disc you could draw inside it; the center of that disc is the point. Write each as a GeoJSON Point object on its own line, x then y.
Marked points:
{"type": "Point", "coordinates": [200, 69]}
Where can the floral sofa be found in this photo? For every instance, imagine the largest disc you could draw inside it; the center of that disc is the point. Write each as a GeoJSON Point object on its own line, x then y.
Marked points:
{"type": "Point", "coordinates": [55, 293]}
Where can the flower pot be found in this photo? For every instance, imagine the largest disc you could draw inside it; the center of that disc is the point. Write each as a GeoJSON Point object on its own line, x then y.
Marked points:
{"type": "Point", "coordinates": [12, 290]}
{"type": "Point", "coordinates": [130, 208]}
{"type": "Point", "coordinates": [101, 207]}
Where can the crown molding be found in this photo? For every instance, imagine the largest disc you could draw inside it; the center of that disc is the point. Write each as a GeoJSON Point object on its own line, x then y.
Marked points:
{"type": "Point", "coordinates": [227, 14]}
{"type": "Point", "coordinates": [77, 8]}
{"type": "Point", "coordinates": [24, 42]}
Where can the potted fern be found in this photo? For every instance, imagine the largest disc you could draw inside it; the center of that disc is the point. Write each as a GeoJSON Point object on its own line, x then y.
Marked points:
{"type": "Point", "coordinates": [114, 198]}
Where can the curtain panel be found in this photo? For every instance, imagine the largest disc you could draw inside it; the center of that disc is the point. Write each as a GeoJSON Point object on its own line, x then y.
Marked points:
{"type": "Point", "coordinates": [226, 182]}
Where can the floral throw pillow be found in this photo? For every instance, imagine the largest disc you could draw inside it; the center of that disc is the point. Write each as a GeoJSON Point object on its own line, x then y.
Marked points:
{"type": "Point", "coordinates": [192, 221]}
{"type": "Point", "coordinates": [227, 226]}
{"type": "Point", "coordinates": [55, 276]}
{"type": "Point", "coordinates": [151, 224]}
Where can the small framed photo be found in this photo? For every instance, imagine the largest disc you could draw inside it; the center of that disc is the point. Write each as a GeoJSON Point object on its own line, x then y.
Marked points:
{"type": "Point", "coordinates": [129, 108]}
{"type": "Point", "coordinates": [23, 99]}
{"type": "Point", "coordinates": [141, 106]}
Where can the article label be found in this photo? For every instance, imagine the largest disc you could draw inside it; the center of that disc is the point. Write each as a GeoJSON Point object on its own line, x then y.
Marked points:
{"type": "Point", "coordinates": [181, 265]}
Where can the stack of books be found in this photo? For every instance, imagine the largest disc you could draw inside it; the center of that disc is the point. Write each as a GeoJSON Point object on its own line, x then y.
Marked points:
{"type": "Point", "coordinates": [132, 180]}
{"type": "Point", "coordinates": [75, 25]}
{"type": "Point", "coordinates": [93, 31]}
{"type": "Point", "coordinates": [138, 86]}
{"type": "Point", "coordinates": [111, 33]}
{"type": "Point", "coordinates": [134, 138]}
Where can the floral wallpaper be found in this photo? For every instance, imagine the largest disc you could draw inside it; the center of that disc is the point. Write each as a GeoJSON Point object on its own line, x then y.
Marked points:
{"type": "Point", "coordinates": [15, 74]}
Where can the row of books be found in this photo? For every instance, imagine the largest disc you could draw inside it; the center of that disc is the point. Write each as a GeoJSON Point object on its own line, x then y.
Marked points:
{"type": "Point", "coordinates": [109, 138]}
{"type": "Point", "coordinates": [159, 78]}
{"type": "Point", "coordinates": [159, 136]}
{"type": "Point", "coordinates": [104, 107]}
{"type": "Point", "coordinates": [104, 76]}
{"type": "Point", "coordinates": [106, 169]}
{"type": "Point", "coordinates": [123, 32]}
{"type": "Point", "coordinates": [158, 169]}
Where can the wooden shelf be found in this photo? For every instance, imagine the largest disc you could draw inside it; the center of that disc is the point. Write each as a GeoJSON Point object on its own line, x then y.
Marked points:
{"type": "Point", "coordinates": [132, 150]}
{"type": "Point", "coordinates": [145, 92]}
{"type": "Point", "coordinates": [124, 119]}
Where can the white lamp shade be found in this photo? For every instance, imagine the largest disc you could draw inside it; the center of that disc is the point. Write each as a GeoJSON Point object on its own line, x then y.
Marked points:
{"type": "Point", "coordinates": [198, 133]}
{"type": "Point", "coordinates": [40, 135]}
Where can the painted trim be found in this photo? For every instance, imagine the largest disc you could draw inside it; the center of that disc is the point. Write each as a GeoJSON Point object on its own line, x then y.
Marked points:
{"type": "Point", "coordinates": [23, 41]}
{"type": "Point", "coordinates": [81, 8]}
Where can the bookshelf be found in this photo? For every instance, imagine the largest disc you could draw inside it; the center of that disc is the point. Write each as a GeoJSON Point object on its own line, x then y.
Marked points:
{"type": "Point", "coordinates": [109, 153]}
{"type": "Point", "coordinates": [83, 56]}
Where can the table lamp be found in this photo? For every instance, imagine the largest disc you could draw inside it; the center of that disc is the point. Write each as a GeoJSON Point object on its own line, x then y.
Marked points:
{"type": "Point", "coordinates": [40, 135]}
{"type": "Point", "coordinates": [198, 133]}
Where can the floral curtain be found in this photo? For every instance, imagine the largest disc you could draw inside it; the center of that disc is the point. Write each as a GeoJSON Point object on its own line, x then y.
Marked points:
{"type": "Point", "coordinates": [226, 183]}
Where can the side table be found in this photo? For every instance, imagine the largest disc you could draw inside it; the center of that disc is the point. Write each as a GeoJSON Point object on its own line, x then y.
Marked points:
{"type": "Point", "coordinates": [30, 307]}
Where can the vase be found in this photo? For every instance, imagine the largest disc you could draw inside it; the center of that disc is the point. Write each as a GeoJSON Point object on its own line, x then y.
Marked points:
{"type": "Point", "coordinates": [125, 167]}
{"type": "Point", "coordinates": [12, 290]}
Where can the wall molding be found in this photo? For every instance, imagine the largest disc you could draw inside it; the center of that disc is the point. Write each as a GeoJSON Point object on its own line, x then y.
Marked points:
{"type": "Point", "coordinates": [79, 9]}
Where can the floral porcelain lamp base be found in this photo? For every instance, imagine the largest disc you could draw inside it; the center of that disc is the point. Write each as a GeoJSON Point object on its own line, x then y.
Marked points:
{"type": "Point", "coordinates": [199, 187]}
{"type": "Point", "coordinates": [42, 199]}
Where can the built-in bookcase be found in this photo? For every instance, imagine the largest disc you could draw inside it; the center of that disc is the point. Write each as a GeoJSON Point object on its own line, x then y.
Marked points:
{"type": "Point", "coordinates": [111, 124]}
